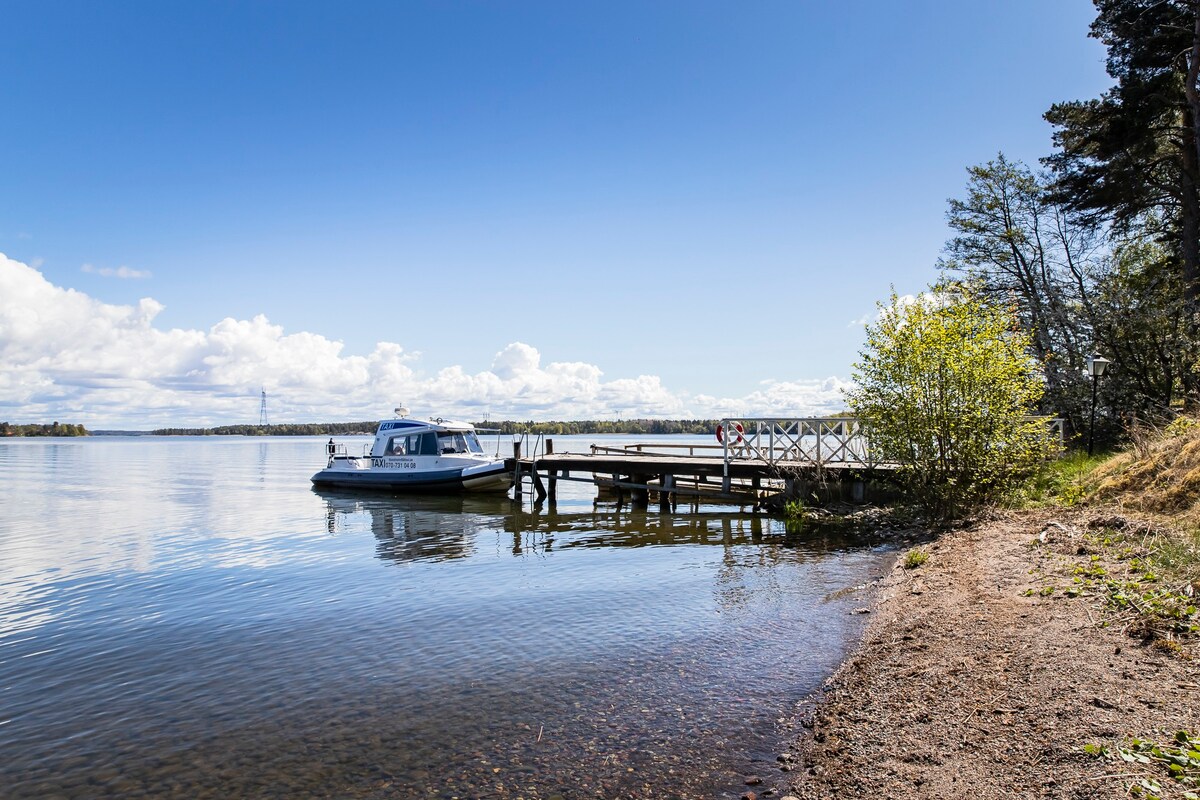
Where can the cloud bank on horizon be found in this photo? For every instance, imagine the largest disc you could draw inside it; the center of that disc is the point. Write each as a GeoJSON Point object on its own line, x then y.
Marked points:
{"type": "Point", "coordinates": [70, 357]}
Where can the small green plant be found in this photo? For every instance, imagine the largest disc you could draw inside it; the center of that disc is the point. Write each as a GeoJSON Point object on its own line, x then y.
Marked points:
{"type": "Point", "coordinates": [1163, 611]}
{"type": "Point", "coordinates": [1180, 426]}
{"type": "Point", "coordinates": [1149, 577]}
{"type": "Point", "coordinates": [1091, 571]}
{"type": "Point", "coordinates": [1181, 758]}
{"type": "Point", "coordinates": [915, 558]}
{"type": "Point", "coordinates": [795, 515]}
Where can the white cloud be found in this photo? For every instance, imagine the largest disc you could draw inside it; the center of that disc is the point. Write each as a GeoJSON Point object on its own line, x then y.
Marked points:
{"type": "Point", "coordinates": [120, 272]}
{"type": "Point", "coordinates": [71, 357]}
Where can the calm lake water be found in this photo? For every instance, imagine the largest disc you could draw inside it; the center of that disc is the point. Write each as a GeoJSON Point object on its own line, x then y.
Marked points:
{"type": "Point", "coordinates": [187, 617]}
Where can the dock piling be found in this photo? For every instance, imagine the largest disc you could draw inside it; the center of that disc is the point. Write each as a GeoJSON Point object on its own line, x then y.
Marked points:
{"type": "Point", "coordinates": [517, 469]}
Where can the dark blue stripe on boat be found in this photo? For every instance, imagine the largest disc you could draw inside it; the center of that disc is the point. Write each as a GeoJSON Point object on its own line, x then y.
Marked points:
{"type": "Point", "coordinates": [442, 480]}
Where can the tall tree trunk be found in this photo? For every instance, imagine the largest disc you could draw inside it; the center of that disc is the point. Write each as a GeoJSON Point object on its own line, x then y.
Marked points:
{"type": "Point", "coordinates": [1190, 204]}
{"type": "Point", "coordinates": [1190, 199]}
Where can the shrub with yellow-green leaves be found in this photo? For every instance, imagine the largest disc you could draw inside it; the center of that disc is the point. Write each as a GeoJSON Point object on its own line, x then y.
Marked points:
{"type": "Point", "coordinates": [944, 386]}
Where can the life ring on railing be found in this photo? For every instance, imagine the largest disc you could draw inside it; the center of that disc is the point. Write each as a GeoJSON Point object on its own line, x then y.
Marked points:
{"type": "Point", "coordinates": [735, 433]}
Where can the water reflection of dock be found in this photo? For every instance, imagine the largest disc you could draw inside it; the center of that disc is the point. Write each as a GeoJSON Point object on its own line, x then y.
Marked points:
{"type": "Point", "coordinates": [410, 528]}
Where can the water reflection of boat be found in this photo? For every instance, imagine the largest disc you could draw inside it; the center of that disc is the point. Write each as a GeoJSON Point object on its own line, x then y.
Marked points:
{"type": "Point", "coordinates": [417, 527]}
{"type": "Point", "coordinates": [410, 455]}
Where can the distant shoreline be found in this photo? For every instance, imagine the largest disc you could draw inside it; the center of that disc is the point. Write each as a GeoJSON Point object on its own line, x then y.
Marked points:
{"type": "Point", "coordinates": [368, 427]}
{"type": "Point", "coordinates": [560, 428]}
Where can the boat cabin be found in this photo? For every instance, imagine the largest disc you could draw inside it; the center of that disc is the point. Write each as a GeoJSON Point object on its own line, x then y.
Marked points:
{"type": "Point", "coordinates": [411, 438]}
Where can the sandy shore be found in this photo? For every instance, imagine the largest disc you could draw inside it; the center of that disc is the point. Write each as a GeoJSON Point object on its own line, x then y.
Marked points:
{"type": "Point", "coordinates": [965, 687]}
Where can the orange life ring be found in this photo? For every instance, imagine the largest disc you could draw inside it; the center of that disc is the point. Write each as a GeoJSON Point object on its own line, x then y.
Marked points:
{"type": "Point", "coordinates": [735, 433]}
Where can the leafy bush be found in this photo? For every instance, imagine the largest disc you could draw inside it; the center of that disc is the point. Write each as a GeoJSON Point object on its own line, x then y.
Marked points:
{"type": "Point", "coordinates": [944, 386]}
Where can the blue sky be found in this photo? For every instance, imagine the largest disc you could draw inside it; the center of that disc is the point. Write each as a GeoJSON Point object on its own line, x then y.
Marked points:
{"type": "Point", "coordinates": [534, 210]}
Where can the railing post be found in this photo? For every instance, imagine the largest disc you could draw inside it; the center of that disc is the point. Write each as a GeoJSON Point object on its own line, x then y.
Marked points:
{"type": "Point", "coordinates": [725, 455]}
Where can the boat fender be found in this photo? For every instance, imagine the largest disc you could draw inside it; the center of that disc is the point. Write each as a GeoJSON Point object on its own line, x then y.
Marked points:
{"type": "Point", "coordinates": [735, 433]}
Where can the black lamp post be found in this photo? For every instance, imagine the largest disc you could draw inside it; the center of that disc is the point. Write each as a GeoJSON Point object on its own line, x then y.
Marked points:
{"type": "Point", "coordinates": [1096, 364]}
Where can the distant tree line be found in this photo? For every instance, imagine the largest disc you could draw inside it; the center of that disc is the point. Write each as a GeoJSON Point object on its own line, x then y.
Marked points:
{"type": "Point", "coordinates": [1101, 251]}
{"type": "Point", "coordinates": [55, 429]}
{"type": "Point", "coordinates": [628, 426]}
{"type": "Point", "coordinates": [286, 429]}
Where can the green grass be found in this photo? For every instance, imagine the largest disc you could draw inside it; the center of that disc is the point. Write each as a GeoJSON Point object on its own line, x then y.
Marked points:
{"type": "Point", "coordinates": [1061, 482]}
{"type": "Point", "coordinates": [1178, 555]}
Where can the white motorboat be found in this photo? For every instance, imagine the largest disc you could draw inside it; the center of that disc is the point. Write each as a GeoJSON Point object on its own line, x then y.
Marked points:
{"type": "Point", "coordinates": [437, 455]}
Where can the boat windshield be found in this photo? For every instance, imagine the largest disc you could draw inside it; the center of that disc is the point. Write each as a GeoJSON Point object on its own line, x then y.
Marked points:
{"type": "Point", "coordinates": [458, 442]}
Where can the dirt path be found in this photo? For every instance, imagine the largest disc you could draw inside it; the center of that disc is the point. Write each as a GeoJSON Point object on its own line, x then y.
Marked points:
{"type": "Point", "coordinates": [965, 688]}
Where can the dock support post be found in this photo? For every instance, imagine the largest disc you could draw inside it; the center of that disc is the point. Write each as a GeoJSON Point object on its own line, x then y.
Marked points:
{"type": "Point", "coordinates": [552, 482]}
{"type": "Point", "coordinates": [639, 496]}
{"type": "Point", "coordinates": [517, 470]}
{"type": "Point", "coordinates": [666, 492]}
{"type": "Point", "coordinates": [539, 488]}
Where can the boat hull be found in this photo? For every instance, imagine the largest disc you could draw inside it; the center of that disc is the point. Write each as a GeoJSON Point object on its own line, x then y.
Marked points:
{"type": "Point", "coordinates": [491, 477]}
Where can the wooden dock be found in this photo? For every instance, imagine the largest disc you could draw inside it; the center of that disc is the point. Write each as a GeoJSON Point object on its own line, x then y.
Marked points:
{"type": "Point", "coordinates": [752, 461]}
{"type": "Point", "coordinates": [755, 459]}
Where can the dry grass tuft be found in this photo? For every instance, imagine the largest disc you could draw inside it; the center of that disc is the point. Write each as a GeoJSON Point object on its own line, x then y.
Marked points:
{"type": "Point", "coordinates": [1160, 474]}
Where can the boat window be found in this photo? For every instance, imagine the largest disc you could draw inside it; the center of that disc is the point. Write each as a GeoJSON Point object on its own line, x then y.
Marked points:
{"type": "Point", "coordinates": [452, 442]}
{"type": "Point", "coordinates": [473, 442]}
{"type": "Point", "coordinates": [414, 444]}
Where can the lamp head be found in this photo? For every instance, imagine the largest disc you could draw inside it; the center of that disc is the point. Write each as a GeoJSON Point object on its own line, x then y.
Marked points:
{"type": "Point", "coordinates": [1096, 365]}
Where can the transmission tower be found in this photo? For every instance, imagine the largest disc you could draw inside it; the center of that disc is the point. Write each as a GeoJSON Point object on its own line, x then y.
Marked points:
{"type": "Point", "coordinates": [262, 411]}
